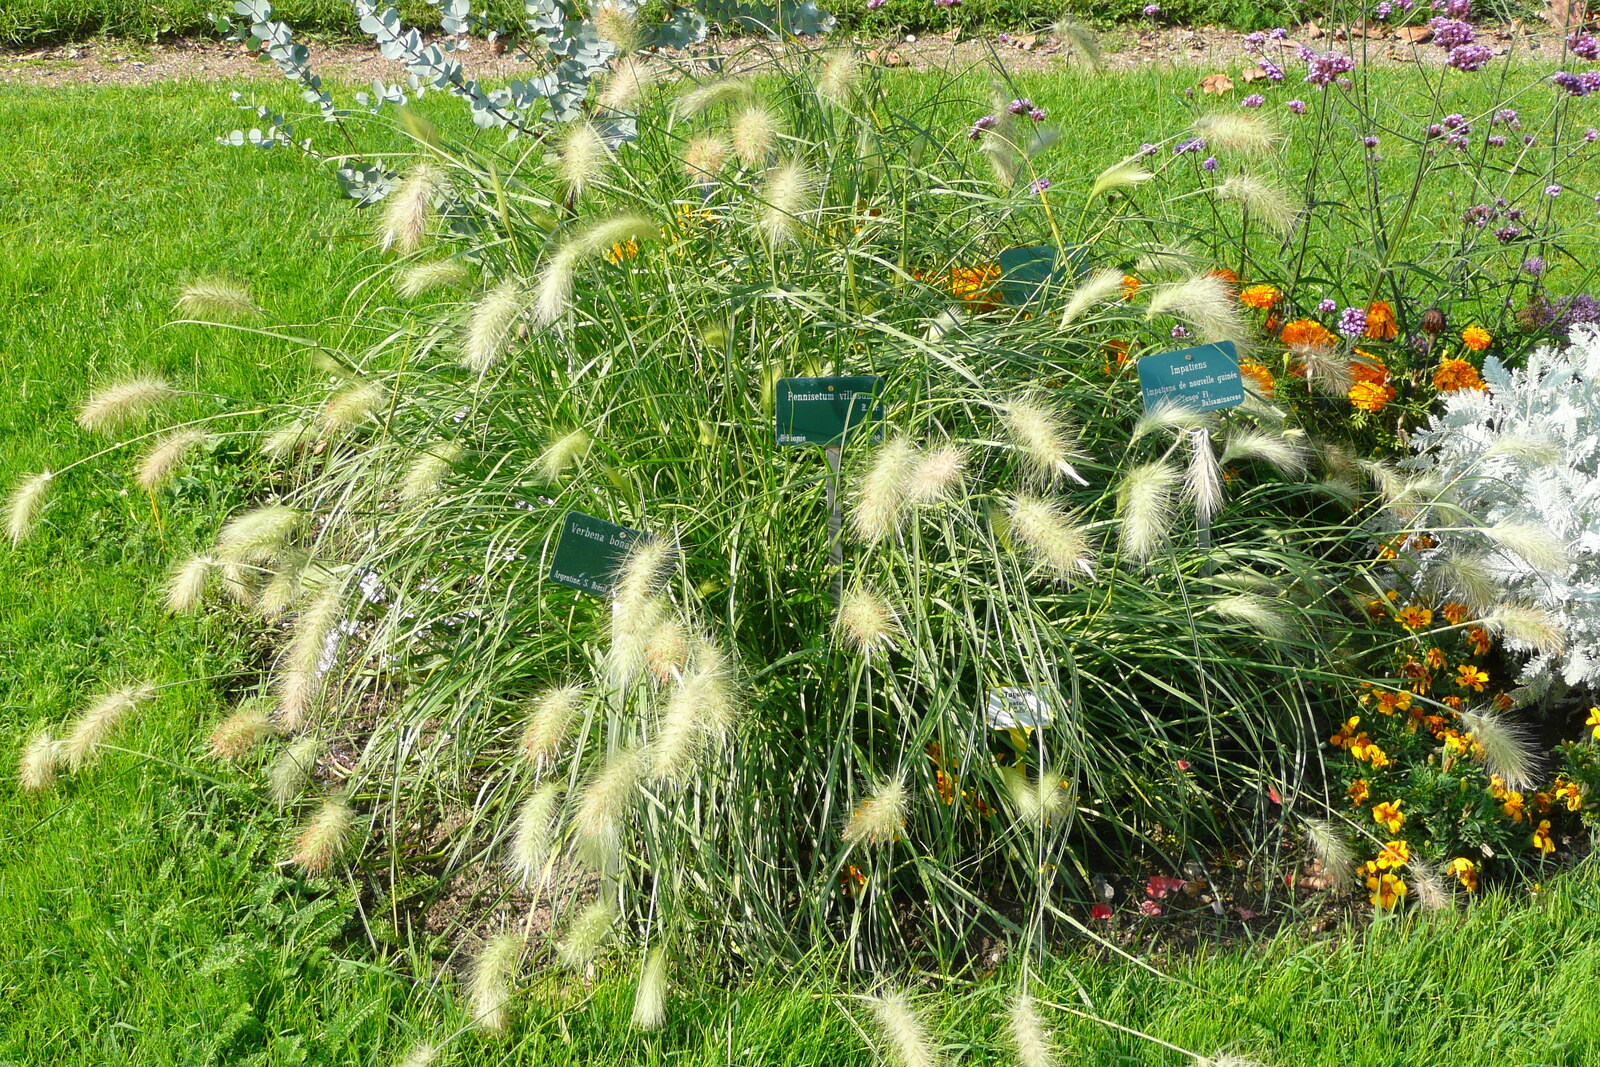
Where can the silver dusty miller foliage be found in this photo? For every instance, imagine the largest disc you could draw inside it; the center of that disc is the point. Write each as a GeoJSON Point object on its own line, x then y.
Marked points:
{"type": "Point", "coordinates": [561, 40]}
{"type": "Point", "coordinates": [1526, 451]}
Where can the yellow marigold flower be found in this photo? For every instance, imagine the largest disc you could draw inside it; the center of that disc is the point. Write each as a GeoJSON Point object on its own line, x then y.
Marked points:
{"type": "Point", "coordinates": [1307, 333]}
{"type": "Point", "coordinates": [1377, 757]}
{"type": "Point", "coordinates": [1435, 658]}
{"type": "Point", "coordinates": [1388, 815]}
{"type": "Point", "coordinates": [1381, 324]}
{"type": "Point", "coordinates": [1393, 855]}
{"type": "Point", "coordinates": [1130, 286]}
{"type": "Point", "coordinates": [1370, 396]}
{"type": "Point", "coordinates": [1475, 337]}
{"type": "Point", "coordinates": [1514, 808]}
{"type": "Point", "coordinates": [1260, 377]}
{"type": "Point", "coordinates": [1260, 297]}
{"type": "Point", "coordinates": [1456, 612]}
{"type": "Point", "coordinates": [1541, 837]}
{"type": "Point", "coordinates": [1569, 794]}
{"type": "Point", "coordinates": [1594, 720]}
{"type": "Point", "coordinates": [1414, 617]}
{"type": "Point", "coordinates": [1466, 872]}
{"type": "Point", "coordinates": [1470, 677]}
{"type": "Point", "coordinates": [1358, 792]}
{"type": "Point", "coordinates": [1456, 374]}
{"type": "Point", "coordinates": [1387, 890]}
{"type": "Point", "coordinates": [1454, 742]}
{"type": "Point", "coordinates": [623, 250]}
{"type": "Point", "coordinates": [1542, 802]}
{"type": "Point", "coordinates": [1369, 368]}
{"type": "Point", "coordinates": [1478, 638]}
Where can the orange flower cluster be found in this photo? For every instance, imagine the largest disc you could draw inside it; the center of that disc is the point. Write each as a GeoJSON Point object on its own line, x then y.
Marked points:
{"type": "Point", "coordinates": [1307, 333]}
{"type": "Point", "coordinates": [1381, 324]}
{"type": "Point", "coordinates": [1475, 337]}
{"type": "Point", "coordinates": [1454, 374]}
{"type": "Point", "coordinates": [1130, 286]}
{"type": "Point", "coordinates": [1359, 745]}
{"type": "Point", "coordinates": [975, 285]}
{"type": "Point", "coordinates": [1259, 377]}
{"type": "Point", "coordinates": [1260, 297]}
{"type": "Point", "coordinates": [1370, 389]}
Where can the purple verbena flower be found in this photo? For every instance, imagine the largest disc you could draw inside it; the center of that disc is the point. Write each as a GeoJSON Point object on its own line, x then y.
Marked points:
{"type": "Point", "coordinates": [1577, 84]}
{"type": "Point", "coordinates": [1325, 68]}
{"type": "Point", "coordinates": [1210, 163]}
{"type": "Point", "coordinates": [1584, 46]}
{"type": "Point", "coordinates": [1353, 323]}
{"type": "Point", "coordinates": [1514, 214]}
{"type": "Point", "coordinates": [1273, 72]}
{"type": "Point", "coordinates": [1277, 33]}
{"type": "Point", "coordinates": [1591, 135]}
{"type": "Point", "coordinates": [1020, 106]}
{"type": "Point", "coordinates": [1327, 306]}
{"type": "Point", "coordinates": [1383, 10]}
{"type": "Point", "coordinates": [988, 122]}
{"type": "Point", "coordinates": [1507, 234]}
{"type": "Point", "coordinates": [1147, 149]}
{"type": "Point", "coordinates": [1253, 100]}
{"type": "Point", "coordinates": [1193, 144]}
{"type": "Point", "coordinates": [1470, 57]}
{"type": "Point", "coordinates": [1039, 185]}
{"type": "Point", "coordinates": [1253, 41]}
{"type": "Point", "coordinates": [1457, 141]}
{"type": "Point", "coordinates": [1457, 121]}
{"type": "Point", "coordinates": [1297, 106]}
{"type": "Point", "coordinates": [1451, 33]}
{"type": "Point", "coordinates": [1456, 9]}
{"type": "Point", "coordinates": [1508, 116]}
{"type": "Point", "coordinates": [1152, 10]}
{"type": "Point", "coordinates": [1179, 333]}
{"type": "Point", "coordinates": [1533, 266]}
{"type": "Point", "coordinates": [1370, 140]}
{"type": "Point", "coordinates": [1496, 141]}
{"type": "Point", "coordinates": [1435, 130]}
{"type": "Point", "coordinates": [1552, 190]}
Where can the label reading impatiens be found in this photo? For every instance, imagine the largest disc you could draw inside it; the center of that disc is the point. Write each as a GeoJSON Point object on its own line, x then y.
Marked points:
{"type": "Point", "coordinates": [826, 411]}
{"type": "Point", "coordinates": [1203, 378]}
{"type": "Point", "coordinates": [589, 552]}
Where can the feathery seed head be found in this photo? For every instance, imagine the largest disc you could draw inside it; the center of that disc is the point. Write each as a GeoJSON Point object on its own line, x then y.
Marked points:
{"type": "Point", "coordinates": [666, 650]}
{"type": "Point", "coordinates": [240, 732]}
{"type": "Point", "coordinates": [597, 822]}
{"type": "Point", "coordinates": [533, 838]}
{"type": "Point", "coordinates": [165, 456]}
{"type": "Point", "coordinates": [705, 156]}
{"type": "Point", "coordinates": [881, 818]}
{"type": "Point", "coordinates": [353, 406]}
{"type": "Point", "coordinates": [588, 935]}
{"type": "Point", "coordinates": [36, 770]}
{"type": "Point", "coordinates": [1028, 1035]}
{"type": "Point", "coordinates": [1202, 480]}
{"type": "Point", "coordinates": [1043, 440]}
{"type": "Point", "coordinates": [619, 24]}
{"type": "Point", "coordinates": [553, 288]}
{"type": "Point", "coordinates": [290, 773]}
{"type": "Point", "coordinates": [427, 277]}
{"type": "Point", "coordinates": [699, 714]}
{"type": "Point", "coordinates": [1263, 614]}
{"type": "Point", "coordinates": [627, 85]}
{"type": "Point", "coordinates": [125, 403]}
{"type": "Point", "coordinates": [406, 211]}
{"type": "Point", "coordinates": [1038, 800]}
{"type": "Point", "coordinates": [1051, 536]}
{"type": "Point", "coordinates": [634, 621]}
{"type": "Point", "coordinates": [1536, 545]}
{"type": "Point", "coordinates": [281, 443]}
{"type": "Point", "coordinates": [325, 836]}
{"type": "Point", "coordinates": [218, 298]}
{"type": "Point", "coordinates": [711, 94]}
{"type": "Point", "coordinates": [24, 504]}
{"type": "Point", "coordinates": [584, 157]}
{"type": "Point", "coordinates": [839, 78]}
{"type": "Point", "coordinates": [1286, 455]}
{"type": "Point", "coordinates": [491, 323]}
{"type": "Point", "coordinates": [643, 570]}
{"type": "Point", "coordinates": [788, 196]}
{"type": "Point", "coordinates": [1332, 850]}
{"type": "Point", "coordinates": [1123, 175]}
{"type": "Point", "coordinates": [866, 622]}
{"type": "Point", "coordinates": [494, 971]}
{"type": "Point", "coordinates": [259, 534]}
{"type": "Point", "coordinates": [95, 725]}
{"type": "Point", "coordinates": [1467, 577]}
{"type": "Point", "coordinates": [1100, 287]}
{"type": "Point", "coordinates": [1169, 416]}
{"type": "Point", "coordinates": [1265, 201]}
{"type": "Point", "coordinates": [429, 470]}
{"type": "Point", "coordinates": [283, 590]}
{"type": "Point", "coordinates": [1427, 886]}
{"type": "Point", "coordinates": [300, 683]}
{"type": "Point", "coordinates": [755, 132]}
{"type": "Point", "coordinates": [1508, 749]}
{"type": "Point", "coordinates": [903, 1031]}
{"type": "Point", "coordinates": [421, 1055]}
{"type": "Point", "coordinates": [1237, 131]}
{"type": "Point", "coordinates": [562, 453]}
{"type": "Point", "coordinates": [884, 489]}
{"type": "Point", "coordinates": [938, 476]}
{"type": "Point", "coordinates": [1144, 506]}
{"type": "Point", "coordinates": [1527, 628]}
{"type": "Point", "coordinates": [550, 720]}
{"type": "Point", "coordinates": [1081, 41]}
{"type": "Point", "coordinates": [650, 999]}
{"type": "Point", "coordinates": [1206, 302]}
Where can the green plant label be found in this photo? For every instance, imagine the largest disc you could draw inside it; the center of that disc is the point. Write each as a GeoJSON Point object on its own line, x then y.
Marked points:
{"type": "Point", "coordinates": [1202, 378]}
{"type": "Point", "coordinates": [589, 551]}
{"type": "Point", "coordinates": [825, 411]}
{"type": "Point", "coordinates": [1024, 272]}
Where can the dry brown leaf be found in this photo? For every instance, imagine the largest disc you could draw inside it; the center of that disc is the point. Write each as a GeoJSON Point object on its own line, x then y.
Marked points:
{"type": "Point", "coordinates": [1313, 31]}
{"type": "Point", "coordinates": [1252, 74]}
{"type": "Point", "coordinates": [1414, 34]}
{"type": "Point", "coordinates": [1216, 83]}
{"type": "Point", "coordinates": [1025, 41]}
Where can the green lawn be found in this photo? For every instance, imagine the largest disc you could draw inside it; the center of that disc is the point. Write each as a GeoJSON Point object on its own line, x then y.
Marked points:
{"type": "Point", "coordinates": [143, 919]}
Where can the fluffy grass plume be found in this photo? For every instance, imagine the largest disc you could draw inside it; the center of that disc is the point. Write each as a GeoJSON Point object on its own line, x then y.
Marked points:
{"type": "Point", "coordinates": [165, 457]}
{"type": "Point", "coordinates": [218, 298]}
{"type": "Point", "coordinates": [1035, 800]}
{"type": "Point", "coordinates": [36, 768]}
{"type": "Point", "coordinates": [1266, 202]}
{"type": "Point", "coordinates": [1332, 850]}
{"type": "Point", "coordinates": [712, 94]}
{"type": "Point", "coordinates": [903, 1031]}
{"type": "Point", "coordinates": [755, 132]}
{"type": "Point", "coordinates": [430, 277]}
{"type": "Point", "coordinates": [324, 837]}
{"type": "Point", "coordinates": [99, 720]}
{"type": "Point", "coordinates": [618, 23]}
{"type": "Point", "coordinates": [353, 406]}
{"type": "Point", "coordinates": [939, 475]}
{"type": "Point", "coordinates": [1123, 175]}
{"type": "Point", "coordinates": [1081, 41]}
{"type": "Point", "coordinates": [1468, 578]}
{"type": "Point", "coordinates": [1100, 287]}
{"type": "Point", "coordinates": [788, 196]}
{"type": "Point", "coordinates": [551, 716]}
{"type": "Point", "coordinates": [704, 157]}
{"type": "Point", "coordinates": [1526, 628]}
{"type": "Point", "coordinates": [1028, 1034]}
{"type": "Point", "coordinates": [494, 973]}
{"type": "Point", "coordinates": [587, 936]}
{"type": "Point", "coordinates": [562, 453]}
{"type": "Point", "coordinates": [1237, 131]}
{"type": "Point", "coordinates": [124, 403]}
{"type": "Point", "coordinates": [650, 998]}
{"type": "Point", "coordinates": [666, 650]}
{"type": "Point", "coordinates": [553, 287]}
{"type": "Point", "coordinates": [283, 590]}
{"type": "Point", "coordinates": [260, 533]}
{"type": "Point", "coordinates": [635, 622]}
{"type": "Point", "coordinates": [1168, 416]}
{"type": "Point", "coordinates": [491, 323]}
{"type": "Point", "coordinates": [1262, 614]}
{"type": "Point", "coordinates": [1508, 750]}
{"type": "Point", "coordinates": [428, 471]}
{"type": "Point", "coordinates": [1534, 544]}
{"type": "Point", "coordinates": [533, 836]}
{"type": "Point", "coordinates": [290, 773]}
{"type": "Point", "coordinates": [884, 490]}
{"type": "Point", "coordinates": [406, 211]}
{"type": "Point", "coordinates": [420, 1055]}
{"type": "Point", "coordinates": [300, 675]}
{"type": "Point", "coordinates": [1272, 448]}
{"type": "Point", "coordinates": [699, 715]}
{"type": "Point", "coordinates": [1202, 478]}
{"type": "Point", "coordinates": [643, 569]}
{"type": "Point", "coordinates": [866, 622]}
{"type": "Point", "coordinates": [1206, 302]}
{"type": "Point", "coordinates": [1050, 535]}
{"type": "Point", "coordinates": [1427, 885]}
{"type": "Point", "coordinates": [240, 733]}
{"type": "Point", "coordinates": [24, 504]}
{"type": "Point", "coordinates": [881, 817]}
{"type": "Point", "coordinates": [627, 85]}
{"type": "Point", "coordinates": [1043, 440]}
{"type": "Point", "coordinates": [603, 805]}
{"type": "Point", "coordinates": [583, 157]}
{"type": "Point", "coordinates": [285, 441]}
{"type": "Point", "coordinates": [839, 77]}
{"type": "Point", "coordinates": [1144, 508]}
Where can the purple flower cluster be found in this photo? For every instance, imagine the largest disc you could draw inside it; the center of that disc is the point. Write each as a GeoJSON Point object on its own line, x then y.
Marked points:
{"type": "Point", "coordinates": [1297, 106]}
{"type": "Point", "coordinates": [1451, 33]}
{"type": "Point", "coordinates": [1327, 306]}
{"type": "Point", "coordinates": [1508, 116]}
{"type": "Point", "coordinates": [1533, 266]}
{"type": "Point", "coordinates": [1383, 10]}
{"type": "Point", "coordinates": [1577, 84]}
{"type": "Point", "coordinates": [1179, 333]}
{"type": "Point", "coordinates": [873, 5]}
{"type": "Point", "coordinates": [1024, 106]}
{"type": "Point", "coordinates": [1457, 121]}
{"type": "Point", "coordinates": [946, 3]}
{"type": "Point", "coordinates": [1152, 10]}
{"type": "Point", "coordinates": [1210, 163]}
{"type": "Point", "coordinates": [1584, 46]}
{"type": "Point", "coordinates": [1253, 100]}
{"type": "Point", "coordinates": [1456, 9]}
{"type": "Point", "coordinates": [1193, 144]}
{"type": "Point", "coordinates": [1506, 234]}
{"type": "Point", "coordinates": [1273, 72]}
{"type": "Point", "coordinates": [1039, 185]}
{"type": "Point", "coordinates": [1353, 323]}
{"type": "Point", "coordinates": [988, 122]}
{"type": "Point", "coordinates": [1575, 311]}
{"type": "Point", "coordinates": [1552, 190]}
{"type": "Point", "coordinates": [1370, 140]}
{"type": "Point", "coordinates": [1496, 141]}
{"type": "Point", "coordinates": [1470, 57]}
{"type": "Point", "coordinates": [1327, 67]}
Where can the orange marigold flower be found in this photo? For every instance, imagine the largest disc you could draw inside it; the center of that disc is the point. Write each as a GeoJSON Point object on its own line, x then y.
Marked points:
{"type": "Point", "coordinates": [1512, 806]}
{"type": "Point", "coordinates": [1368, 396]}
{"type": "Point", "coordinates": [1260, 297]}
{"type": "Point", "coordinates": [1414, 617]}
{"type": "Point", "coordinates": [1380, 321]}
{"type": "Point", "coordinates": [1358, 792]}
{"type": "Point", "coordinates": [1502, 702]}
{"type": "Point", "coordinates": [1475, 337]}
{"type": "Point", "coordinates": [1456, 612]}
{"type": "Point", "coordinates": [1479, 639]}
{"type": "Point", "coordinates": [1225, 274]}
{"type": "Point", "coordinates": [1435, 658]}
{"type": "Point", "coordinates": [1393, 855]}
{"type": "Point", "coordinates": [1541, 837]}
{"type": "Point", "coordinates": [1130, 286]}
{"type": "Point", "coordinates": [1466, 872]}
{"type": "Point", "coordinates": [1455, 374]}
{"type": "Point", "coordinates": [1307, 333]}
{"type": "Point", "coordinates": [1388, 815]}
{"type": "Point", "coordinates": [1569, 794]}
{"type": "Point", "coordinates": [1367, 367]}
{"type": "Point", "coordinates": [1470, 677]}
{"type": "Point", "coordinates": [1387, 890]}
{"type": "Point", "coordinates": [1259, 377]}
